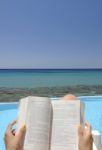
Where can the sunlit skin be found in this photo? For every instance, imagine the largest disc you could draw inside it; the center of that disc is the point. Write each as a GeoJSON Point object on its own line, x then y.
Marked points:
{"type": "Point", "coordinates": [85, 137]}
{"type": "Point", "coordinates": [14, 141]}
{"type": "Point", "coordinates": [69, 97]}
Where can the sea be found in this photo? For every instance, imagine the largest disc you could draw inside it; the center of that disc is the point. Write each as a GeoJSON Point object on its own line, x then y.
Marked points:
{"type": "Point", "coordinates": [16, 83]}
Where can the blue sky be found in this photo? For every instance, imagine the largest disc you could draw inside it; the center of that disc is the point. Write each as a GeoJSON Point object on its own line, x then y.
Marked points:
{"type": "Point", "coordinates": [51, 34]}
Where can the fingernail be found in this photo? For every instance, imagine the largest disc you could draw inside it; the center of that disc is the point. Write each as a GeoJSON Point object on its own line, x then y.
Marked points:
{"type": "Point", "coordinates": [24, 125]}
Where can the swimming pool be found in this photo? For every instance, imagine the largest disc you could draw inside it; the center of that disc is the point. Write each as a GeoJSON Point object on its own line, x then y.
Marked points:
{"type": "Point", "coordinates": [93, 114]}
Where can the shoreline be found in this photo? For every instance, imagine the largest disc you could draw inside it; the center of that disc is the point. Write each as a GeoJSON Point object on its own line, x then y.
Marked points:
{"type": "Point", "coordinates": [14, 94]}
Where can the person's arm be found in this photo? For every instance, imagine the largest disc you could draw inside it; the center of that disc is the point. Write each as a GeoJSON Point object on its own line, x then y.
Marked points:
{"type": "Point", "coordinates": [13, 141]}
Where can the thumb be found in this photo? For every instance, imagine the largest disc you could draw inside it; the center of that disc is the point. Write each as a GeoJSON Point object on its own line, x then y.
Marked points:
{"type": "Point", "coordinates": [22, 132]}
{"type": "Point", "coordinates": [80, 130]}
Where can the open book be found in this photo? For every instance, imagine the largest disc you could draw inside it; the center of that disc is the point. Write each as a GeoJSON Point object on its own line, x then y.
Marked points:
{"type": "Point", "coordinates": [51, 125]}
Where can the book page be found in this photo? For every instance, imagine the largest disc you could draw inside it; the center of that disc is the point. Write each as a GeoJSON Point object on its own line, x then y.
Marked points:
{"type": "Point", "coordinates": [66, 118]}
{"type": "Point", "coordinates": [38, 121]}
{"type": "Point", "coordinates": [21, 116]}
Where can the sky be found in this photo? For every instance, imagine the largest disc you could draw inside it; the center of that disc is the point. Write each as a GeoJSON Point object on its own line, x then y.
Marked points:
{"type": "Point", "coordinates": [51, 34]}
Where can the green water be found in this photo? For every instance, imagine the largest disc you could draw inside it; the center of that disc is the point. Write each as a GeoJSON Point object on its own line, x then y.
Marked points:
{"type": "Point", "coordinates": [46, 78]}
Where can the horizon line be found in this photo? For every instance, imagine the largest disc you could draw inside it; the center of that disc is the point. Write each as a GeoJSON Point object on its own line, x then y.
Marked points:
{"type": "Point", "coordinates": [47, 68]}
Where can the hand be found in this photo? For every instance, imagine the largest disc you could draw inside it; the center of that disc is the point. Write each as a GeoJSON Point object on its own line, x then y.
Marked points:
{"type": "Point", "coordinates": [14, 141]}
{"type": "Point", "coordinates": [85, 137]}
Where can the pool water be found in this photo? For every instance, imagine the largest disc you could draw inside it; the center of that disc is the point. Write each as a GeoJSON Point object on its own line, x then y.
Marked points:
{"type": "Point", "coordinates": [8, 112]}
{"type": "Point", "coordinates": [93, 111]}
{"type": "Point", "coordinates": [93, 114]}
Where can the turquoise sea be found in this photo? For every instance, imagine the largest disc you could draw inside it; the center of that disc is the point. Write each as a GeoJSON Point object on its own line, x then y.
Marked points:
{"type": "Point", "coordinates": [31, 78]}
{"type": "Point", "coordinates": [17, 83]}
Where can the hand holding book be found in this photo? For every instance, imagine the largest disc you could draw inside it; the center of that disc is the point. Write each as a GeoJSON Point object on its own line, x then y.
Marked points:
{"type": "Point", "coordinates": [47, 132]}
{"type": "Point", "coordinates": [13, 142]}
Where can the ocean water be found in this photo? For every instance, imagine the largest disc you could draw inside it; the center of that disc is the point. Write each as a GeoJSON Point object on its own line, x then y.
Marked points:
{"type": "Point", "coordinates": [18, 83]}
{"type": "Point", "coordinates": [31, 78]}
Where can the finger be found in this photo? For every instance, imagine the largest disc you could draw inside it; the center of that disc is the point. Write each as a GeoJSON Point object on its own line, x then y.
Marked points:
{"type": "Point", "coordinates": [13, 131]}
{"type": "Point", "coordinates": [11, 125]}
{"type": "Point", "coordinates": [88, 126]}
{"type": "Point", "coordinates": [9, 128]}
{"type": "Point", "coordinates": [22, 132]}
{"type": "Point", "coordinates": [80, 130]}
